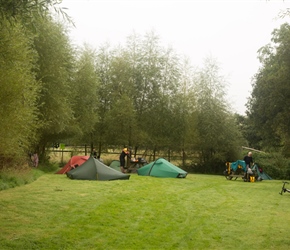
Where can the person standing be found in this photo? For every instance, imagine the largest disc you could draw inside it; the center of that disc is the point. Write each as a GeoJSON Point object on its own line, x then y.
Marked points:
{"type": "Point", "coordinates": [94, 153]}
{"type": "Point", "coordinates": [125, 152]}
{"type": "Point", "coordinates": [249, 162]}
{"type": "Point", "coordinates": [35, 160]}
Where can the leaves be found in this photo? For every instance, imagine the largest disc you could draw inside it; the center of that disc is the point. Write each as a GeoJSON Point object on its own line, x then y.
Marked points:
{"type": "Point", "coordinates": [140, 94]}
{"type": "Point", "coordinates": [268, 106]}
{"type": "Point", "coordinates": [19, 91]}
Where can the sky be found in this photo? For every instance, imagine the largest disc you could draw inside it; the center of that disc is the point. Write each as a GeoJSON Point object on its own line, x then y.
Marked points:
{"type": "Point", "coordinates": [231, 31]}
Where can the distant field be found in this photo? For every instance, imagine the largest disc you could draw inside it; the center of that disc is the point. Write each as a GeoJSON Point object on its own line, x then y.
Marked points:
{"type": "Point", "coordinates": [198, 212]}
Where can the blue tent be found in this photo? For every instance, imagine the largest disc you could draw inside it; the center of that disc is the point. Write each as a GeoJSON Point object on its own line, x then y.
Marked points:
{"type": "Point", "coordinates": [239, 164]}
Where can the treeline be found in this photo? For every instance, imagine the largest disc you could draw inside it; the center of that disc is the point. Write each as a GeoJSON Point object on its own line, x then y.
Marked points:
{"type": "Point", "coordinates": [269, 105]}
{"type": "Point", "coordinates": [138, 94]}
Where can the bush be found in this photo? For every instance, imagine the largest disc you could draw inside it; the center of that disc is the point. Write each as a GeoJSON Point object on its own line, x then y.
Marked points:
{"type": "Point", "coordinates": [49, 167]}
{"type": "Point", "coordinates": [274, 164]}
{"type": "Point", "coordinates": [10, 178]}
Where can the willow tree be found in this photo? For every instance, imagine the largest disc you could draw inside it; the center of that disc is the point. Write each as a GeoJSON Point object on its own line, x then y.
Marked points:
{"type": "Point", "coordinates": [55, 66]}
{"type": "Point", "coordinates": [19, 91]}
{"type": "Point", "coordinates": [20, 54]}
{"type": "Point", "coordinates": [165, 126]}
{"type": "Point", "coordinates": [184, 112]}
{"type": "Point", "coordinates": [217, 132]}
{"type": "Point", "coordinates": [154, 78]}
{"type": "Point", "coordinates": [84, 98]}
{"type": "Point", "coordinates": [133, 52]}
{"type": "Point", "coordinates": [26, 10]}
{"type": "Point", "coordinates": [104, 57]}
{"type": "Point", "coordinates": [121, 120]}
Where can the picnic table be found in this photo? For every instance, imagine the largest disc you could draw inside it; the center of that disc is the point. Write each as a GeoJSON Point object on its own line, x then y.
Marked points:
{"type": "Point", "coordinates": [136, 163]}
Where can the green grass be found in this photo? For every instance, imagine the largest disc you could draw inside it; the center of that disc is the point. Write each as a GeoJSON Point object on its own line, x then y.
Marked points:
{"type": "Point", "coordinates": [199, 212]}
{"type": "Point", "coordinates": [14, 177]}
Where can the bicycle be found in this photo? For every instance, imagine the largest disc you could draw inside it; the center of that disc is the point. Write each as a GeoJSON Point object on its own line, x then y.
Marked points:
{"type": "Point", "coordinates": [283, 190]}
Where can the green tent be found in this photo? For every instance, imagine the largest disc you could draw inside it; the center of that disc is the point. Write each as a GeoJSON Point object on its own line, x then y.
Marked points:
{"type": "Point", "coordinates": [262, 175]}
{"type": "Point", "coordinates": [93, 169]}
{"type": "Point", "coordinates": [162, 168]}
{"type": "Point", "coordinates": [115, 164]}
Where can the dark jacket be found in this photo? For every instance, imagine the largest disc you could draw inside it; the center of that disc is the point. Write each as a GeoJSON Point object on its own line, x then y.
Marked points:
{"type": "Point", "coordinates": [248, 160]}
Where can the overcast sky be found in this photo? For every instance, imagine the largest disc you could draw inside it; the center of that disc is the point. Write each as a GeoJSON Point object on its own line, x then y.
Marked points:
{"type": "Point", "coordinates": [231, 31]}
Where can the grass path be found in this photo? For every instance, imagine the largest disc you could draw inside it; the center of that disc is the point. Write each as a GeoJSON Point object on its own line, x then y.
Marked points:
{"type": "Point", "coordinates": [198, 212]}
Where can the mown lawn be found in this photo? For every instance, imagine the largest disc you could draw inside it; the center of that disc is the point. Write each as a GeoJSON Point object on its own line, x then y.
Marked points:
{"type": "Point", "coordinates": [198, 212]}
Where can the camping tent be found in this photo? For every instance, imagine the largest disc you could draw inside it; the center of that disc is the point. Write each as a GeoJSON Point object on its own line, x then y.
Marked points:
{"type": "Point", "coordinates": [162, 168]}
{"type": "Point", "coordinates": [115, 164]}
{"type": "Point", "coordinates": [240, 164]}
{"type": "Point", "coordinates": [261, 173]}
{"type": "Point", "coordinates": [93, 169]}
{"type": "Point", "coordinates": [74, 162]}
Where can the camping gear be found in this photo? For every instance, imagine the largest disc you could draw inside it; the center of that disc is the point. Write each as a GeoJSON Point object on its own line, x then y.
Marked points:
{"type": "Point", "coordinates": [93, 169]}
{"type": "Point", "coordinates": [252, 179]}
{"type": "Point", "coordinates": [137, 162]}
{"type": "Point", "coordinates": [134, 165]}
{"type": "Point", "coordinates": [235, 170]}
{"type": "Point", "coordinates": [260, 173]}
{"type": "Point", "coordinates": [239, 169]}
{"type": "Point", "coordinates": [74, 162]}
{"type": "Point", "coordinates": [161, 168]}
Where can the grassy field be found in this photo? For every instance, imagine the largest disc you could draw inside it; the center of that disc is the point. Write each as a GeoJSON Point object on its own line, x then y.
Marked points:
{"type": "Point", "coordinates": [198, 212]}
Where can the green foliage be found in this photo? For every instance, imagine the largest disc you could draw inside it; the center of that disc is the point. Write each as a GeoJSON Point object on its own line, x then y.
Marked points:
{"type": "Point", "coordinates": [170, 108]}
{"type": "Point", "coordinates": [50, 167]}
{"type": "Point", "coordinates": [218, 136]}
{"type": "Point", "coordinates": [23, 8]}
{"type": "Point", "coordinates": [271, 85]}
{"type": "Point", "coordinates": [84, 88]}
{"type": "Point", "coordinates": [19, 91]}
{"type": "Point", "coordinates": [120, 120]}
{"type": "Point", "coordinates": [29, 11]}
{"type": "Point", "coordinates": [13, 177]}
{"type": "Point", "coordinates": [10, 178]}
{"type": "Point", "coordinates": [21, 88]}
{"type": "Point", "coordinates": [275, 164]}
{"type": "Point", "coordinates": [139, 94]}
{"type": "Point", "coordinates": [55, 64]}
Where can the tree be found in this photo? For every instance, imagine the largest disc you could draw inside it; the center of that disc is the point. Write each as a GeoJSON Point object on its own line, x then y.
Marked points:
{"type": "Point", "coordinates": [84, 97]}
{"type": "Point", "coordinates": [271, 86]}
{"type": "Point", "coordinates": [154, 78]}
{"type": "Point", "coordinates": [184, 112]}
{"type": "Point", "coordinates": [19, 92]}
{"type": "Point", "coordinates": [217, 131]}
{"type": "Point", "coordinates": [22, 85]}
{"type": "Point", "coordinates": [55, 67]}
{"type": "Point", "coordinates": [121, 122]}
{"type": "Point", "coordinates": [29, 11]}
{"type": "Point", "coordinates": [103, 68]}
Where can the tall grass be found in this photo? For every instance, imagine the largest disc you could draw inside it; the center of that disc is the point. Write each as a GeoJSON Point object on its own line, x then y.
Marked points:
{"type": "Point", "coordinates": [198, 212]}
{"type": "Point", "coordinates": [21, 175]}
